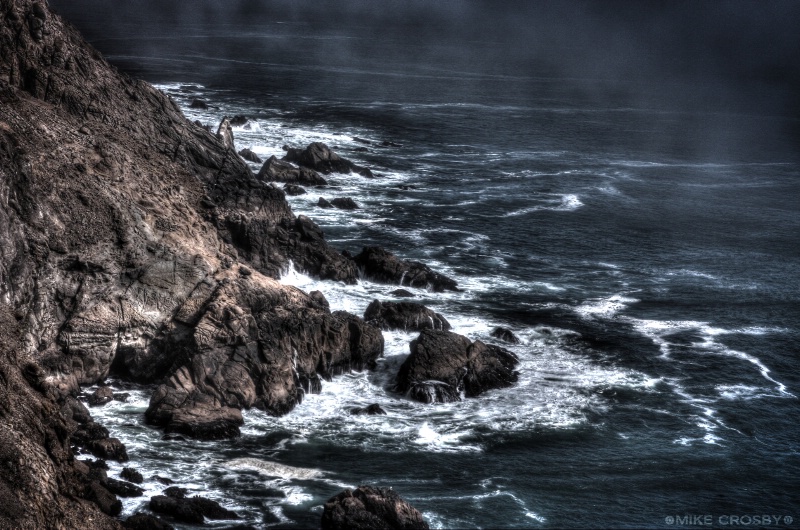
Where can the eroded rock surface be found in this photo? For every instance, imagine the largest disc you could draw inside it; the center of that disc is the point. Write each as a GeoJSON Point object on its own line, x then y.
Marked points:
{"type": "Point", "coordinates": [319, 157]}
{"type": "Point", "coordinates": [371, 508]}
{"type": "Point", "coordinates": [136, 243]}
{"type": "Point", "coordinates": [381, 265]}
{"type": "Point", "coordinates": [442, 364]}
{"type": "Point", "coordinates": [406, 316]}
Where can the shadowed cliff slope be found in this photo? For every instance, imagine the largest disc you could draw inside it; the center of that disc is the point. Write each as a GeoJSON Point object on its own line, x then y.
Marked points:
{"type": "Point", "coordinates": [133, 242]}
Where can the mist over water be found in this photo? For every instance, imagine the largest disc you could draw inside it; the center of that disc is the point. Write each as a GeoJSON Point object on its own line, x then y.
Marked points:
{"type": "Point", "coordinates": [615, 182]}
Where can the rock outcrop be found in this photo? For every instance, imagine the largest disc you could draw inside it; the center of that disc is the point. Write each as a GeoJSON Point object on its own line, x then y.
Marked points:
{"type": "Point", "coordinates": [382, 266]}
{"type": "Point", "coordinates": [275, 170]}
{"type": "Point", "coordinates": [442, 364]}
{"type": "Point", "coordinates": [406, 316]}
{"type": "Point", "coordinates": [319, 157]}
{"type": "Point", "coordinates": [136, 243]}
{"type": "Point", "coordinates": [371, 508]}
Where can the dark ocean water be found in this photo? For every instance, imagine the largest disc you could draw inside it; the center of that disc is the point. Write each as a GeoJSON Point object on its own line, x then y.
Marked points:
{"type": "Point", "coordinates": [642, 238]}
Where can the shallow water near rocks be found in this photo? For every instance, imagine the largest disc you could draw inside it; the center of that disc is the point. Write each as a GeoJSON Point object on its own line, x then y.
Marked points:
{"type": "Point", "coordinates": [652, 283]}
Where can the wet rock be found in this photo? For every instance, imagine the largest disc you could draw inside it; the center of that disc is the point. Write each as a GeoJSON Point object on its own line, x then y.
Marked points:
{"type": "Point", "coordinates": [383, 266]}
{"type": "Point", "coordinates": [319, 157]}
{"type": "Point", "coordinates": [238, 120]}
{"type": "Point", "coordinates": [123, 488]}
{"type": "Point", "coordinates": [190, 510]}
{"type": "Point", "coordinates": [250, 156]}
{"type": "Point", "coordinates": [180, 511]}
{"type": "Point", "coordinates": [402, 293]}
{"type": "Point", "coordinates": [108, 449]}
{"type": "Point", "coordinates": [198, 104]}
{"type": "Point", "coordinates": [407, 316]}
{"type": "Point", "coordinates": [280, 171]}
{"type": "Point", "coordinates": [131, 475]}
{"type": "Point", "coordinates": [370, 508]}
{"type": "Point", "coordinates": [176, 492]}
{"type": "Point", "coordinates": [163, 480]}
{"type": "Point", "coordinates": [505, 335]}
{"type": "Point", "coordinates": [324, 203]}
{"type": "Point", "coordinates": [443, 364]}
{"type": "Point", "coordinates": [369, 410]}
{"type": "Point", "coordinates": [344, 203]}
{"type": "Point", "coordinates": [101, 396]}
{"type": "Point", "coordinates": [142, 521]}
{"type": "Point", "coordinates": [293, 189]}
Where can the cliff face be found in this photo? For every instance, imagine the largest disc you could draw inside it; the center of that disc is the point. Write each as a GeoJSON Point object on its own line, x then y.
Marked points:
{"type": "Point", "coordinates": [136, 243]}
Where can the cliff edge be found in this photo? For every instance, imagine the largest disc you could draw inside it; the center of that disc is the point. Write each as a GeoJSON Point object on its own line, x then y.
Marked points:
{"type": "Point", "coordinates": [134, 243]}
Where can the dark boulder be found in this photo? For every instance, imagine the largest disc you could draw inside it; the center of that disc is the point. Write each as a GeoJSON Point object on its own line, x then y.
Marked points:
{"type": "Point", "coordinates": [324, 203]}
{"type": "Point", "coordinates": [108, 449]}
{"type": "Point", "coordinates": [370, 508]}
{"type": "Point", "coordinates": [443, 364]}
{"type": "Point", "coordinates": [123, 488]}
{"type": "Point", "coordinates": [198, 416]}
{"type": "Point", "coordinates": [402, 293]}
{"type": "Point", "coordinates": [505, 335]}
{"type": "Point", "coordinates": [293, 190]}
{"type": "Point", "coordinates": [238, 120]}
{"type": "Point", "coordinates": [407, 316]}
{"type": "Point", "coordinates": [180, 511]}
{"type": "Point", "coordinates": [142, 521]}
{"type": "Point", "coordinates": [131, 475]}
{"type": "Point", "coordinates": [101, 396]}
{"type": "Point", "coordinates": [319, 157]}
{"type": "Point", "coordinates": [344, 203]}
{"type": "Point", "coordinates": [382, 266]}
{"type": "Point", "coordinates": [198, 104]}
{"type": "Point", "coordinates": [369, 410]}
{"type": "Point", "coordinates": [250, 156]}
{"type": "Point", "coordinates": [279, 171]}
{"type": "Point", "coordinates": [190, 509]}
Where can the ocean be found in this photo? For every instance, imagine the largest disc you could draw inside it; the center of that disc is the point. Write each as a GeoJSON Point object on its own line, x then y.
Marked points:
{"type": "Point", "coordinates": [640, 236]}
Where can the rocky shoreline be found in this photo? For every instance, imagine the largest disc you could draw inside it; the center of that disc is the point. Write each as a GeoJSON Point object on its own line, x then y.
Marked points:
{"type": "Point", "coordinates": [139, 245]}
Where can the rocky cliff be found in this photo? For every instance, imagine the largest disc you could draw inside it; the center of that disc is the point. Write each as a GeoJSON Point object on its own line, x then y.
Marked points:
{"type": "Point", "coordinates": [135, 243]}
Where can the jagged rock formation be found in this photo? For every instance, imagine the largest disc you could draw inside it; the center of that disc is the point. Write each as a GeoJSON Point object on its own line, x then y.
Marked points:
{"type": "Point", "coordinates": [382, 266]}
{"type": "Point", "coordinates": [275, 170]}
{"type": "Point", "coordinates": [135, 242]}
{"type": "Point", "coordinates": [371, 508]}
{"type": "Point", "coordinates": [442, 364]}
{"type": "Point", "coordinates": [319, 157]}
{"type": "Point", "coordinates": [407, 316]}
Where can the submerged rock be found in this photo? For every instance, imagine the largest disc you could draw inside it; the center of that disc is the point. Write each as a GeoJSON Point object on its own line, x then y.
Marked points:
{"type": "Point", "coordinates": [443, 364]}
{"type": "Point", "coordinates": [505, 335]}
{"type": "Point", "coordinates": [369, 410]}
{"type": "Point", "coordinates": [370, 508]}
{"type": "Point", "coordinates": [319, 157]}
{"type": "Point", "coordinates": [382, 266]}
{"type": "Point", "coordinates": [406, 316]}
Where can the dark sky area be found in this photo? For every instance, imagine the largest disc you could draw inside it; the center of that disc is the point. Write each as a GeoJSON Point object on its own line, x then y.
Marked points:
{"type": "Point", "coordinates": [744, 54]}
